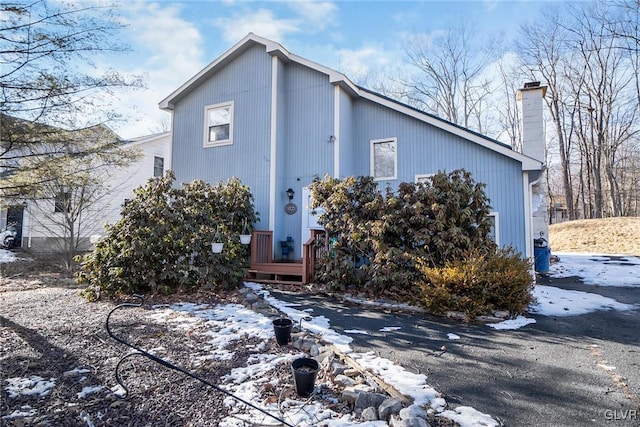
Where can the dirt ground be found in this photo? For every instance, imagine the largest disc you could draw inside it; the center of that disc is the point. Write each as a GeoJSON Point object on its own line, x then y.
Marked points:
{"type": "Point", "coordinates": [608, 236]}
{"type": "Point", "coordinates": [47, 330]}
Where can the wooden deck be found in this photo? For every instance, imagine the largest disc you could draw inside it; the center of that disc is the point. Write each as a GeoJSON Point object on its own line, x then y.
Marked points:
{"type": "Point", "coordinates": [265, 269]}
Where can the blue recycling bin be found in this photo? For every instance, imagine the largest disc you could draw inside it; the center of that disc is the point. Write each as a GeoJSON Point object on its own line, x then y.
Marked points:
{"type": "Point", "coordinates": [542, 257]}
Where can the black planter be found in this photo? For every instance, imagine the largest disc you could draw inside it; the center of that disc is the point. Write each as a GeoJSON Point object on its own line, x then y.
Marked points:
{"type": "Point", "coordinates": [282, 329]}
{"type": "Point", "coordinates": [304, 375]}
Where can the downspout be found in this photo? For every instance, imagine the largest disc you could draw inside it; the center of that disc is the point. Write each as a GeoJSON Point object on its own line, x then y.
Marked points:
{"type": "Point", "coordinates": [273, 141]}
{"type": "Point", "coordinates": [336, 131]}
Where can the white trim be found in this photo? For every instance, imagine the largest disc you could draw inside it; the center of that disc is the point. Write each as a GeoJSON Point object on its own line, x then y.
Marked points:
{"type": "Point", "coordinates": [418, 176]}
{"type": "Point", "coordinates": [147, 138]}
{"type": "Point", "coordinates": [273, 142]}
{"type": "Point", "coordinates": [372, 158]}
{"type": "Point", "coordinates": [528, 244]}
{"type": "Point", "coordinates": [210, 144]}
{"type": "Point", "coordinates": [496, 226]}
{"type": "Point", "coordinates": [336, 132]}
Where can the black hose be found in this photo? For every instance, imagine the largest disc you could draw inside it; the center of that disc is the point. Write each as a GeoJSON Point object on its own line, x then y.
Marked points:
{"type": "Point", "coordinates": [169, 365]}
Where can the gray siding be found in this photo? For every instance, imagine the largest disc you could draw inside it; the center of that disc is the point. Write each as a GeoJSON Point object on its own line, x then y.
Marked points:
{"type": "Point", "coordinates": [424, 149]}
{"type": "Point", "coordinates": [347, 143]}
{"type": "Point", "coordinates": [307, 153]}
{"type": "Point", "coordinates": [247, 82]}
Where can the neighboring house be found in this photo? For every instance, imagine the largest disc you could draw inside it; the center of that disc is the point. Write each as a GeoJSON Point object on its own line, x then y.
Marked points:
{"type": "Point", "coordinates": [39, 227]}
{"type": "Point", "coordinates": [277, 120]}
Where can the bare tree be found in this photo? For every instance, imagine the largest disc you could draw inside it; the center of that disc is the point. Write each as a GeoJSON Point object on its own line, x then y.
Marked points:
{"type": "Point", "coordinates": [543, 53]}
{"type": "Point", "coordinates": [73, 189]}
{"type": "Point", "coordinates": [48, 77]}
{"type": "Point", "coordinates": [448, 81]}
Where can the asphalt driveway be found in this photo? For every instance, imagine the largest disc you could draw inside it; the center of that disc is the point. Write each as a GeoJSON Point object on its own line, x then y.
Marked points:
{"type": "Point", "coordinates": [560, 371]}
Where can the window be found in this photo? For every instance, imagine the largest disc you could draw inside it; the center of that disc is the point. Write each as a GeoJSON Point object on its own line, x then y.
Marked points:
{"type": "Point", "coordinates": [62, 202]}
{"type": "Point", "coordinates": [384, 159]}
{"type": "Point", "coordinates": [494, 234]}
{"type": "Point", "coordinates": [158, 166]}
{"type": "Point", "coordinates": [423, 177]}
{"type": "Point", "coordinates": [218, 125]}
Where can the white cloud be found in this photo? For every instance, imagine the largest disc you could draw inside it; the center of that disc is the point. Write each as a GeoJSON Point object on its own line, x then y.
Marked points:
{"type": "Point", "coordinates": [319, 14]}
{"type": "Point", "coordinates": [168, 50]}
{"type": "Point", "coordinates": [361, 61]}
{"type": "Point", "coordinates": [262, 22]}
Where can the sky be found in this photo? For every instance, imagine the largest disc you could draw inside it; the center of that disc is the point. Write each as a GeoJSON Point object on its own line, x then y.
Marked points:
{"type": "Point", "coordinates": [221, 324]}
{"type": "Point", "coordinates": [170, 41]}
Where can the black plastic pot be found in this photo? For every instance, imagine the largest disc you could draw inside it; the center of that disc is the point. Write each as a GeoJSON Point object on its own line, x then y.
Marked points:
{"type": "Point", "coordinates": [305, 371]}
{"type": "Point", "coordinates": [282, 329]}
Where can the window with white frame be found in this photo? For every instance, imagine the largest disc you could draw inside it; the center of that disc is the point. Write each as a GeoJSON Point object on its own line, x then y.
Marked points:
{"type": "Point", "coordinates": [158, 166]}
{"type": "Point", "coordinates": [384, 159]}
{"type": "Point", "coordinates": [218, 124]}
{"type": "Point", "coordinates": [494, 234]}
{"type": "Point", "coordinates": [423, 177]}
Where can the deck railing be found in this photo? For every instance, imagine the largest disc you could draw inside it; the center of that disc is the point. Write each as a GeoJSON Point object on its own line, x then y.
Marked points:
{"type": "Point", "coordinates": [262, 261]}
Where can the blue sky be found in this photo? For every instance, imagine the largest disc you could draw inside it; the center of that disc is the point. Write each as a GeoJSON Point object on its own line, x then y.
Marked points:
{"type": "Point", "coordinates": [173, 40]}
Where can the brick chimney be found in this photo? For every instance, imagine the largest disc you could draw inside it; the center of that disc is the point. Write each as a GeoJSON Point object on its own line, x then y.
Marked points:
{"type": "Point", "coordinates": [531, 98]}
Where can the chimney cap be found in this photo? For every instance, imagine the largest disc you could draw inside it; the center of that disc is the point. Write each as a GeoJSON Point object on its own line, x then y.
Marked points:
{"type": "Point", "coordinates": [531, 85]}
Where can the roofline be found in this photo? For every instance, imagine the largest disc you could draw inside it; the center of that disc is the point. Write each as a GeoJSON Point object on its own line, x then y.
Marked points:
{"type": "Point", "coordinates": [146, 138]}
{"type": "Point", "coordinates": [528, 163]}
{"type": "Point", "coordinates": [337, 78]}
{"type": "Point", "coordinates": [272, 48]}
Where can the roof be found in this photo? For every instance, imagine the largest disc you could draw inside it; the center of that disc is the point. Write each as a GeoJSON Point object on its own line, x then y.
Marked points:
{"type": "Point", "coordinates": [337, 78]}
{"type": "Point", "coordinates": [147, 138]}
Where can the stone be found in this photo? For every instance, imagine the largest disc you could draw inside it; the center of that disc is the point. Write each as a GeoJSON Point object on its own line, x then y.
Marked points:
{"type": "Point", "coordinates": [314, 350]}
{"type": "Point", "coordinates": [350, 372]}
{"type": "Point", "coordinates": [325, 358]}
{"type": "Point", "coordinates": [369, 414]}
{"type": "Point", "coordinates": [297, 343]}
{"type": "Point", "coordinates": [344, 380]}
{"type": "Point", "coordinates": [364, 400]}
{"type": "Point", "coordinates": [389, 407]}
{"type": "Point", "coordinates": [251, 297]}
{"type": "Point", "coordinates": [409, 422]}
{"type": "Point", "coordinates": [338, 368]}
{"type": "Point", "coordinates": [412, 412]}
{"type": "Point", "coordinates": [350, 394]}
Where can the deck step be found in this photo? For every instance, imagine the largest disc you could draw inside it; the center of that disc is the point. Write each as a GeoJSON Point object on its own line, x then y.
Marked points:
{"type": "Point", "coordinates": [261, 276]}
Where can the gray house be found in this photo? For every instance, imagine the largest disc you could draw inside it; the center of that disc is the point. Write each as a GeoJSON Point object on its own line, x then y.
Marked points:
{"type": "Point", "coordinates": [277, 120]}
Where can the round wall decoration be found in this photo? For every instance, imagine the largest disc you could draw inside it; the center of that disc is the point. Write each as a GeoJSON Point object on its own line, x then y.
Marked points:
{"type": "Point", "coordinates": [290, 208]}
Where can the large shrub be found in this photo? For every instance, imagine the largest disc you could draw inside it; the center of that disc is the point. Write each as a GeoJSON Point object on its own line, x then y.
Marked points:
{"type": "Point", "coordinates": [162, 243]}
{"type": "Point", "coordinates": [478, 283]}
{"type": "Point", "coordinates": [376, 239]}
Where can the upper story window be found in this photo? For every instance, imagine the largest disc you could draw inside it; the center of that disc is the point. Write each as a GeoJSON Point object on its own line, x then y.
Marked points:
{"type": "Point", "coordinates": [158, 166]}
{"type": "Point", "coordinates": [218, 124]}
{"type": "Point", "coordinates": [384, 159]}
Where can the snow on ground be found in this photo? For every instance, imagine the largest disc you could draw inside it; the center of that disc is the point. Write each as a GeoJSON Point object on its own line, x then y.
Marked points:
{"type": "Point", "coordinates": [7, 256]}
{"type": "Point", "coordinates": [592, 269]}
{"type": "Point", "coordinates": [598, 269]}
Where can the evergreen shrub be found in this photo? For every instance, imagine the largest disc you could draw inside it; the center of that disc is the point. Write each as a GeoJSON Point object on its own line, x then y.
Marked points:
{"type": "Point", "coordinates": [162, 243]}
{"type": "Point", "coordinates": [478, 283]}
